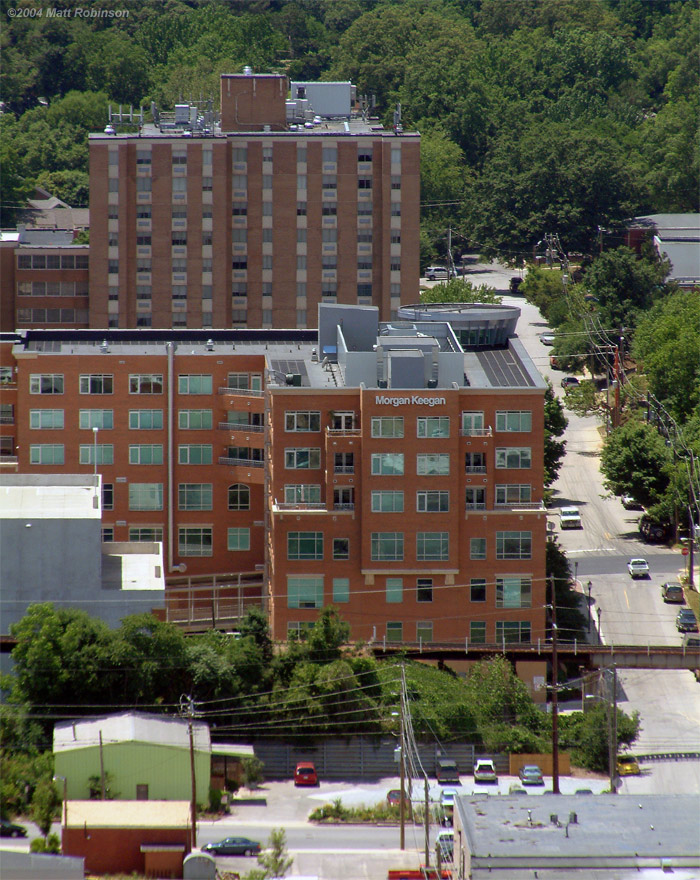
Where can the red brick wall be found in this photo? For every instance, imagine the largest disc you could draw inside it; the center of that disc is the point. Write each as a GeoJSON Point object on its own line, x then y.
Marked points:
{"type": "Point", "coordinates": [117, 850]}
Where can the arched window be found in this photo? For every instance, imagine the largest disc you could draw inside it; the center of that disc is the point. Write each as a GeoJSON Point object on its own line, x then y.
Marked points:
{"type": "Point", "coordinates": [238, 497]}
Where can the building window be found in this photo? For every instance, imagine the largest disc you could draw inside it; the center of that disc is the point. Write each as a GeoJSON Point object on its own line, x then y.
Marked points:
{"type": "Point", "coordinates": [145, 496]}
{"type": "Point", "coordinates": [194, 453]}
{"type": "Point", "coordinates": [304, 592]}
{"type": "Point", "coordinates": [96, 418]}
{"type": "Point", "coordinates": [434, 464]}
{"type": "Point", "coordinates": [424, 590]}
{"type": "Point", "coordinates": [146, 453]}
{"type": "Point", "coordinates": [513, 631]}
{"type": "Point", "coordinates": [477, 632]}
{"type": "Point", "coordinates": [432, 546]}
{"type": "Point", "coordinates": [146, 383]}
{"type": "Point", "coordinates": [46, 383]}
{"type": "Point", "coordinates": [387, 463]}
{"type": "Point", "coordinates": [424, 631]}
{"type": "Point", "coordinates": [304, 493]}
{"type": "Point", "coordinates": [514, 457]}
{"type": "Point", "coordinates": [434, 426]}
{"type": "Point", "coordinates": [387, 546]}
{"type": "Point", "coordinates": [433, 501]}
{"type": "Point", "coordinates": [341, 548]}
{"type": "Point", "coordinates": [394, 631]}
{"type": "Point", "coordinates": [513, 545]}
{"type": "Point", "coordinates": [305, 545]}
{"type": "Point", "coordinates": [513, 592]}
{"type": "Point", "coordinates": [341, 589]}
{"type": "Point", "coordinates": [105, 453]}
{"type": "Point", "coordinates": [244, 381]}
{"type": "Point", "coordinates": [477, 548]}
{"type": "Point", "coordinates": [302, 421]}
{"type": "Point", "coordinates": [238, 539]}
{"type": "Point", "coordinates": [195, 419]}
{"type": "Point", "coordinates": [146, 419]}
{"type": "Point", "coordinates": [239, 497]}
{"type": "Point", "coordinates": [394, 590]}
{"type": "Point", "coordinates": [107, 533]}
{"type": "Point", "coordinates": [46, 418]}
{"type": "Point", "coordinates": [387, 426]}
{"type": "Point", "coordinates": [344, 462]}
{"type": "Point", "coordinates": [194, 384]}
{"type": "Point", "coordinates": [364, 183]}
{"type": "Point", "coordinates": [396, 181]}
{"type": "Point", "coordinates": [194, 541]}
{"type": "Point", "coordinates": [46, 453]}
{"type": "Point", "coordinates": [514, 421]}
{"type": "Point", "coordinates": [302, 458]}
{"type": "Point", "coordinates": [329, 209]}
{"type": "Point", "coordinates": [477, 590]}
{"type": "Point", "coordinates": [152, 534]}
{"type": "Point", "coordinates": [343, 421]}
{"type": "Point", "coordinates": [387, 502]}
{"type": "Point", "coordinates": [508, 496]}
{"type": "Point", "coordinates": [108, 496]}
{"type": "Point", "coordinates": [474, 498]}
{"type": "Point", "coordinates": [301, 209]}
{"type": "Point", "coordinates": [473, 424]}
{"type": "Point", "coordinates": [195, 496]}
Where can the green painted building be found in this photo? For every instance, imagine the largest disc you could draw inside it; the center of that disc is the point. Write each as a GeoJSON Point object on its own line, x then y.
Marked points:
{"type": "Point", "coordinates": [142, 756]}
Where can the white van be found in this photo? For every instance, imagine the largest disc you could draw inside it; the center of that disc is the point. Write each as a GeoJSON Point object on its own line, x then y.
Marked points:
{"type": "Point", "coordinates": [570, 518]}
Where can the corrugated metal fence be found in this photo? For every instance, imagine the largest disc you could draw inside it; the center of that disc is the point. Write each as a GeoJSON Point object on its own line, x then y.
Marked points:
{"type": "Point", "coordinates": [360, 757]}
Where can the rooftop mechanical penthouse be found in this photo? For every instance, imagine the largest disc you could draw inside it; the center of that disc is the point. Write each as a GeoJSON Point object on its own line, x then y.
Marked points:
{"type": "Point", "coordinates": [392, 469]}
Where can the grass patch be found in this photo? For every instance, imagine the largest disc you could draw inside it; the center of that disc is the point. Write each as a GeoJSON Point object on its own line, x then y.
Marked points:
{"type": "Point", "coordinates": [337, 812]}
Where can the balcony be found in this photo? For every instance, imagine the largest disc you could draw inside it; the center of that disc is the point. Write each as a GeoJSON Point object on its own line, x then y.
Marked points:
{"type": "Point", "coordinates": [348, 507]}
{"type": "Point", "coordinates": [344, 432]}
{"type": "Point", "coordinates": [237, 426]}
{"type": "Point", "coordinates": [475, 469]}
{"type": "Point", "coordinates": [520, 505]}
{"type": "Point", "coordinates": [476, 432]}
{"type": "Point", "coordinates": [246, 392]}
{"type": "Point", "coordinates": [344, 469]}
{"type": "Point", "coordinates": [241, 462]}
{"type": "Point", "coordinates": [7, 420]}
{"type": "Point", "coordinates": [298, 505]}
{"type": "Point", "coordinates": [475, 505]}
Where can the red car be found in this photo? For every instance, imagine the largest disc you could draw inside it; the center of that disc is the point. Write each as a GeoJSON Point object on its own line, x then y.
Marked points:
{"type": "Point", "coordinates": [305, 774]}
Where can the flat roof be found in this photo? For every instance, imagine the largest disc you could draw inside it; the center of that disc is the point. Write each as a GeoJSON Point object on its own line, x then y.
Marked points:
{"type": "Point", "coordinates": [329, 127]}
{"type": "Point", "coordinates": [607, 828]}
{"type": "Point", "coordinates": [128, 814]}
{"type": "Point", "coordinates": [164, 730]}
{"type": "Point", "coordinates": [48, 496]}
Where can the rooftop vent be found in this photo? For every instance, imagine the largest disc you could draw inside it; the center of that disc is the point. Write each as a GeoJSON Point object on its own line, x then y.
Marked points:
{"type": "Point", "coordinates": [248, 70]}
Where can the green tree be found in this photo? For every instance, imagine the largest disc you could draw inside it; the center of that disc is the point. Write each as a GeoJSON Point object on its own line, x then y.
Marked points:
{"type": "Point", "coordinates": [555, 423]}
{"type": "Point", "coordinates": [458, 290]}
{"type": "Point", "coordinates": [570, 621]}
{"type": "Point", "coordinates": [635, 461]}
{"type": "Point", "coordinates": [256, 625]}
{"type": "Point", "coordinates": [44, 805]}
{"type": "Point", "coordinates": [275, 861]}
{"type": "Point", "coordinates": [587, 735]}
{"type": "Point", "coordinates": [253, 771]}
{"type": "Point", "coordinates": [328, 634]}
{"type": "Point", "coordinates": [667, 346]}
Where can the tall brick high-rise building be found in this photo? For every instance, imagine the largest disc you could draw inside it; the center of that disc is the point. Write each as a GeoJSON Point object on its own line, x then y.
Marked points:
{"type": "Point", "coordinates": [253, 221]}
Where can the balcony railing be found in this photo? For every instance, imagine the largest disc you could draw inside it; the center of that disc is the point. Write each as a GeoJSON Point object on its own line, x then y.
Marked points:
{"type": "Point", "coordinates": [475, 505]}
{"type": "Point", "coordinates": [240, 462]}
{"type": "Point", "coordinates": [476, 432]}
{"type": "Point", "coordinates": [8, 459]}
{"type": "Point", "coordinates": [339, 506]}
{"type": "Point", "coordinates": [520, 505]}
{"type": "Point", "coordinates": [300, 505]}
{"type": "Point", "coordinates": [475, 469]}
{"type": "Point", "coordinates": [7, 420]}
{"type": "Point", "coordinates": [245, 391]}
{"type": "Point", "coordinates": [236, 426]}
{"type": "Point", "coordinates": [344, 432]}
{"type": "Point", "coordinates": [344, 469]}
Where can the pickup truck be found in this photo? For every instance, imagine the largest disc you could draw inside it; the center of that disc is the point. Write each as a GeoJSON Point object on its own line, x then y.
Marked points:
{"type": "Point", "coordinates": [638, 568]}
{"type": "Point", "coordinates": [570, 518]}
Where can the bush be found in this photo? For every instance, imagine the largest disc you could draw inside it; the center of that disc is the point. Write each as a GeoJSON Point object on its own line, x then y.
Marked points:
{"type": "Point", "coordinates": [50, 845]}
{"type": "Point", "coordinates": [214, 799]}
{"type": "Point", "coordinates": [253, 772]}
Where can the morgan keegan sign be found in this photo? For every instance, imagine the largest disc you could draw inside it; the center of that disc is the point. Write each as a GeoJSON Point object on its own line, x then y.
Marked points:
{"type": "Point", "coordinates": [414, 399]}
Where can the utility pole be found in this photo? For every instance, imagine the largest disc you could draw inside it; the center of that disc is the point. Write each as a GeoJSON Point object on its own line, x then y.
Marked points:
{"type": "Point", "coordinates": [102, 768]}
{"type": "Point", "coordinates": [426, 823]}
{"type": "Point", "coordinates": [613, 732]}
{"type": "Point", "coordinates": [187, 705]}
{"type": "Point", "coordinates": [691, 526]}
{"type": "Point", "coordinates": [402, 767]}
{"type": "Point", "coordinates": [555, 695]}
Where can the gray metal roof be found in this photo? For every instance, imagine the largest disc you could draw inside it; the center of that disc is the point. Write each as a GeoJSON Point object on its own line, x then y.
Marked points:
{"type": "Point", "coordinates": [129, 727]}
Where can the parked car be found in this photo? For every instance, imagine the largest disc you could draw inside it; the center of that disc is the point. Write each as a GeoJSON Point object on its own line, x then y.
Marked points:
{"type": "Point", "coordinates": [515, 283]}
{"type": "Point", "coordinates": [554, 362]}
{"type": "Point", "coordinates": [691, 640]}
{"type": "Point", "coordinates": [547, 338]}
{"type": "Point", "coordinates": [569, 382]}
{"type": "Point", "coordinates": [638, 568]}
{"type": "Point", "coordinates": [393, 797]}
{"type": "Point", "coordinates": [686, 621]}
{"type": "Point", "coordinates": [514, 788]}
{"type": "Point", "coordinates": [9, 829]}
{"type": "Point", "coordinates": [570, 518]}
{"type": "Point", "coordinates": [444, 846]}
{"type": "Point", "coordinates": [629, 503]}
{"type": "Point", "coordinates": [305, 774]}
{"type": "Point", "coordinates": [584, 791]}
{"type": "Point", "coordinates": [652, 532]}
{"type": "Point", "coordinates": [233, 846]}
{"type": "Point", "coordinates": [447, 803]}
{"type": "Point", "coordinates": [627, 765]}
{"type": "Point", "coordinates": [531, 774]}
{"type": "Point", "coordinates": [447, 770]}
{"type": "Point", "coordinates": [673, 593]}
{"type": "Point", "coordinates": [436, 273]}
{"type": "Point", "coordinates": [484, 771]}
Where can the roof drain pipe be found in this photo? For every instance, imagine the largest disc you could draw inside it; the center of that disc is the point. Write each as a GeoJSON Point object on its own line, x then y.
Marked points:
{"type": "Point", "coordinates": [171, 352]}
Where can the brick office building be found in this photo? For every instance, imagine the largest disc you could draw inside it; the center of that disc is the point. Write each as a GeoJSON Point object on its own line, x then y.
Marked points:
{"type": "Point", "coordinates": [253, 221]}
{"type": "Point", "coordinates": [395, 470]}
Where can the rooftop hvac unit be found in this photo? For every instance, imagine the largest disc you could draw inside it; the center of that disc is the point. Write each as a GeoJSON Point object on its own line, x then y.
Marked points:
{"type": "Point", "coordinates": [293, 379]}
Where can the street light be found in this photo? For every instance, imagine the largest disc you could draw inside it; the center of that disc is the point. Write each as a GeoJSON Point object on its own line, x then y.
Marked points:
{"type": "Point", "coordinates": [589, 585]}
{"type": "Point", "coordinates": [599, 611]}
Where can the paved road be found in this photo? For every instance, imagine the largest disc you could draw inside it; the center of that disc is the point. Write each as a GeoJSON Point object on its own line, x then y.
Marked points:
{"type": "Point", "coordinates": [631, 611]}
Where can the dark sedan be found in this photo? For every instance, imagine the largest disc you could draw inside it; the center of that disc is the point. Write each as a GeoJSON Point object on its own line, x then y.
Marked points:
{"type": "Point", "coordinates": [8, 829]}
{"type": "Point", "coordinates": [686, 622]}
{"type": "Point", "coordinates": [233, 846]}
